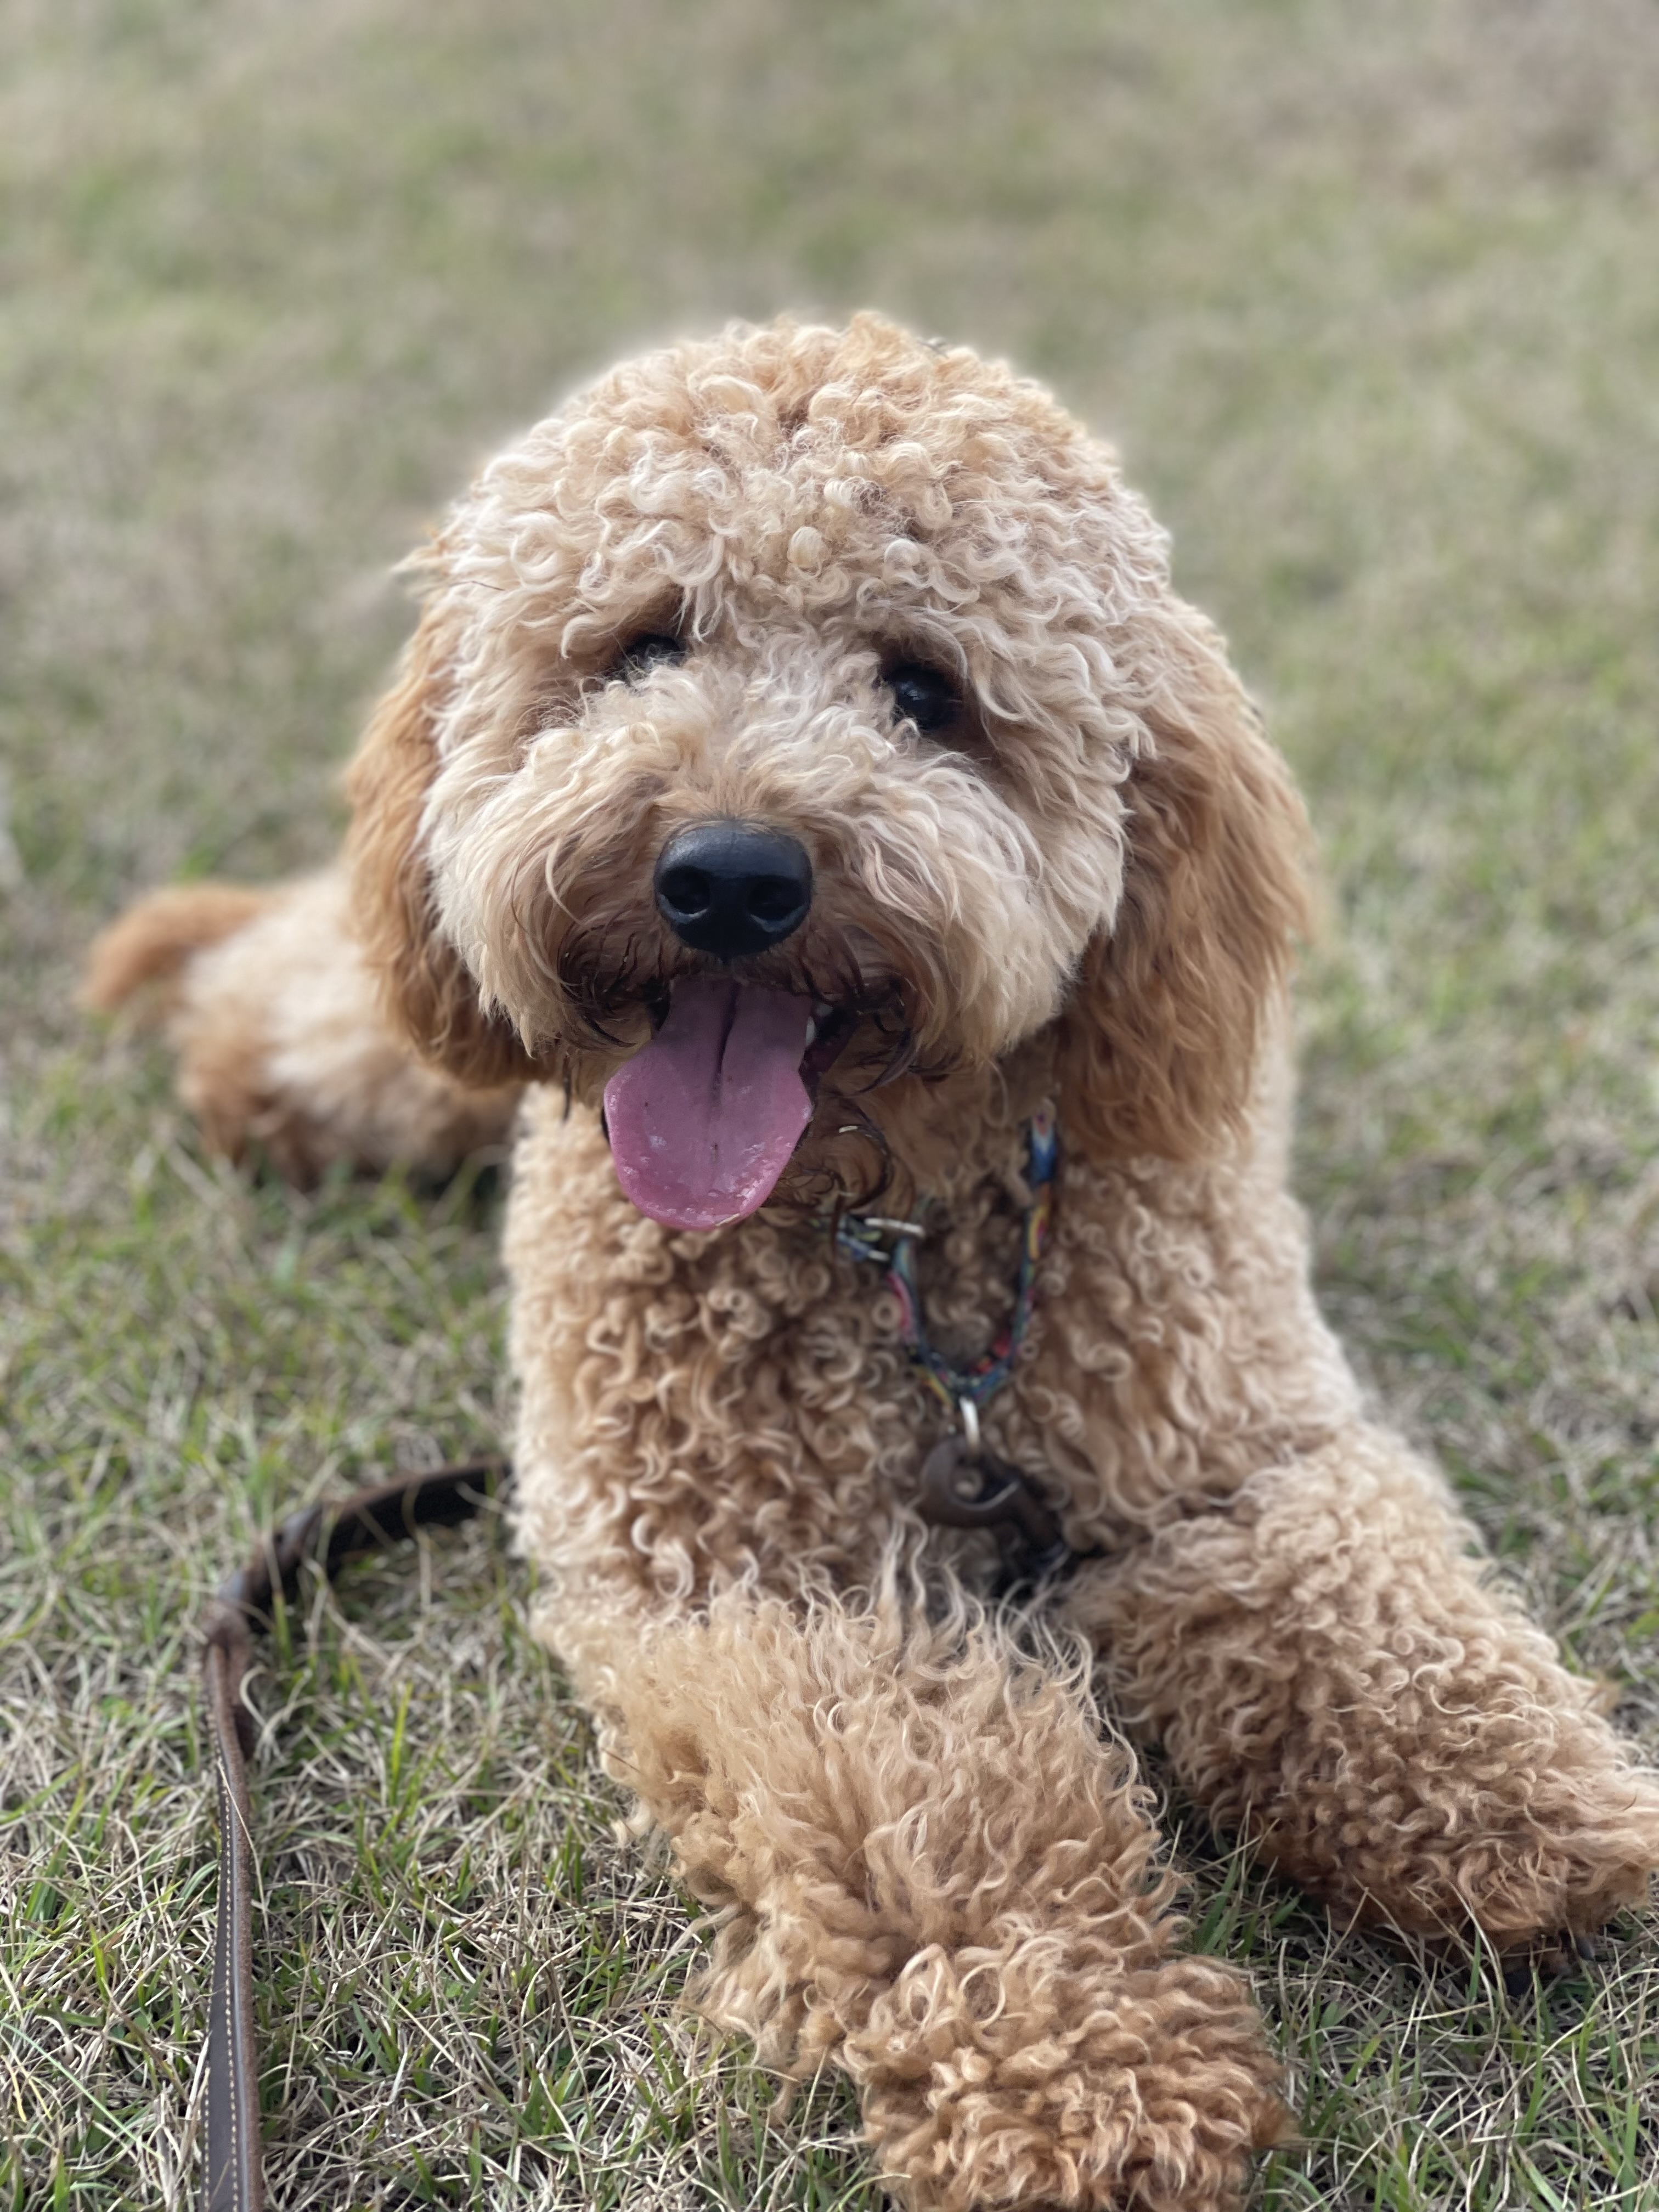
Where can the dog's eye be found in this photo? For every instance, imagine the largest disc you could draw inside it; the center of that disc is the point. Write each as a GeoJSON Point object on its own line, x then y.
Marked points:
{"type": "Point", "coordinates": [657, 648]}
{"type": "Point", "coordinates": [923, 696]}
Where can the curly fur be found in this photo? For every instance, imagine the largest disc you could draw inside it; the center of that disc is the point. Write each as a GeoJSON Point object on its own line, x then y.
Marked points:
{"type": "Point", "coordinates": [934, 1867]}
{"type": "Point", "coordinates": [275, 1016]}
{"type": "Point", "coordinates": [888, 1813]}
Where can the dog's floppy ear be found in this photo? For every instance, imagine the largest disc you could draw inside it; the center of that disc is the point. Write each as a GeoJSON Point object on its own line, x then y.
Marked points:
{"type": "Point", "coordinates": [425, 984]}
{"type": "Point", "coordinates": [1157, 1042]}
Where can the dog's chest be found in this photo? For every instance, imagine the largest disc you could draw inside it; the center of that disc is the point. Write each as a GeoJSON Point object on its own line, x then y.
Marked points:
{"type": "Point", "coordinates": [707, 1404]}
{"type": "Point", "coordinates": [701, 1404]}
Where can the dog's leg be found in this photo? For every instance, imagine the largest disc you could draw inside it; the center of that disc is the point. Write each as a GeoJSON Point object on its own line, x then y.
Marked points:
{"type": "Point", "coordinates": [935, 1873]}
{"type": "Point", "coordinates": [281, 1042]}
{"type": "Point", "coordinates": [1334, 1673]}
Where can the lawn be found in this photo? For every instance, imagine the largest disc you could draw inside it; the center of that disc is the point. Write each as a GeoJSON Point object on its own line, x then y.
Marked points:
{"type": "Point", "coordinates": [1367, 296]}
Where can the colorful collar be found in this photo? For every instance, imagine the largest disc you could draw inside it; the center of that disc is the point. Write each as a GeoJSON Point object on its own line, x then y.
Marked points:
{"type": "Point", "coordinates": [963, 1390]}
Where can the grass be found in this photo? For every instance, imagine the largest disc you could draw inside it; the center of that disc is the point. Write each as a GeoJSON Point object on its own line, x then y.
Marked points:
{"type": "Point", "coordinates": [1367, 296]}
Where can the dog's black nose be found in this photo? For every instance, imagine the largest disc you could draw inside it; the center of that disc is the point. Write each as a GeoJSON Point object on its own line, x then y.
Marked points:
{"type": "Point", "coordinates": [732, 890]}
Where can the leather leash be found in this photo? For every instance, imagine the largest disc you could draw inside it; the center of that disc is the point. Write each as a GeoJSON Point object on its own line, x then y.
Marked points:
{"type": "Point", "coordinates": [331, 1534]}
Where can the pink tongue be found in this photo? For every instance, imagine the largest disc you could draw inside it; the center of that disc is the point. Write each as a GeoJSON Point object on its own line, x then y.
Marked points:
{"type": "Point", "coordinates": [702, 1122]}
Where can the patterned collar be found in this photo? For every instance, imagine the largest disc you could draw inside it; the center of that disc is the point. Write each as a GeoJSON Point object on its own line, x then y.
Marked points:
{"type": "Point", "coordinates": [892, 1245]}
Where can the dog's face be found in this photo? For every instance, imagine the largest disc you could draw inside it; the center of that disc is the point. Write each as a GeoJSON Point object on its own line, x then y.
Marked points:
{"type": "Point", "coordinates": [799, 710]}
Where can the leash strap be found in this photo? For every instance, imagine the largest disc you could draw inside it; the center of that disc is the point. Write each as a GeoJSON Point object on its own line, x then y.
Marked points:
{"type": "Point", "coordinates": [232, 2177]}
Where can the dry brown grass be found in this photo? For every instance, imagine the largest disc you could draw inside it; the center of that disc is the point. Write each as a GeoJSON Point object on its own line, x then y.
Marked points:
{"type": "Point", "coordinates": [1368, 295]}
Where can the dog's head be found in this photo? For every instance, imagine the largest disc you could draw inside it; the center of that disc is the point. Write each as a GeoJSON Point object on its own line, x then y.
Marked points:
{"type": "Point", "coordinates": [806, 710]}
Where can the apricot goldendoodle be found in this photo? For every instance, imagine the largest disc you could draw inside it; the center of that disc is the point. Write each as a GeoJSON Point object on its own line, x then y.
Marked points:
{"type": "Point", "coordinates": [803, 790]}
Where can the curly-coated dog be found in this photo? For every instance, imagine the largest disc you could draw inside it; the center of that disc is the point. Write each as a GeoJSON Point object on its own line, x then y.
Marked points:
{"type": "Point", "coordinates": [805, 793]}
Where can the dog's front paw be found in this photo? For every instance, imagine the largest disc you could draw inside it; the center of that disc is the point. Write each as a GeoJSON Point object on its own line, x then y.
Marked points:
{"type": "Point", "coordinates": [1521, 1842]}
{"type": "Point", "coordinates": [1578, 1846]}
{"type": "Point", "coordinates": [1018, 2078]}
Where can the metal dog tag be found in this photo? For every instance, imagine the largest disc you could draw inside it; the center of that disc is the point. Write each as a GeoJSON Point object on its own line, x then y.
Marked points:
{"type": "Point", "coordinates": [963, 1489]}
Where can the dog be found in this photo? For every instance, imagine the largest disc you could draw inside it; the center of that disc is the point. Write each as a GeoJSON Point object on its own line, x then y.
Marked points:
{"type": "Point", "coordinates": [805, 807]}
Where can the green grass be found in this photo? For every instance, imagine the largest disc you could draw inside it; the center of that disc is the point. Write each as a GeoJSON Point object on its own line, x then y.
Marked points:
{"type": "Point", "coordinates": [1367, 296]}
